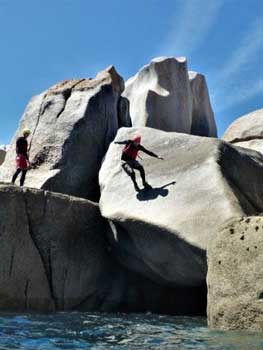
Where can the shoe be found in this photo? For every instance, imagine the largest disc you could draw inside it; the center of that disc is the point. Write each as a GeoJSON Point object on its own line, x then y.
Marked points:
{"type": "Point", "coordinates": [147, 186]}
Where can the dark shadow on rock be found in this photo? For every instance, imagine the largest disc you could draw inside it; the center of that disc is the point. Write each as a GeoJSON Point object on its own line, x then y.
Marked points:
{"type": "Point", "coordinates": [152, 193]}
{"type": "Point", "coordinates": [124, 117]}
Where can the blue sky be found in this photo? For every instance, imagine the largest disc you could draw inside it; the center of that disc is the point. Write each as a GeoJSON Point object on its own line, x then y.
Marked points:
{"type": "Point", "coordinates": [43, 42]}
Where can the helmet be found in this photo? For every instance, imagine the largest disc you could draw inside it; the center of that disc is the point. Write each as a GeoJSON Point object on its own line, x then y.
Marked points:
{"type": "Point", "coordinates": [136, 139]}
{"type": "Point", "coordinates": [26, 132]}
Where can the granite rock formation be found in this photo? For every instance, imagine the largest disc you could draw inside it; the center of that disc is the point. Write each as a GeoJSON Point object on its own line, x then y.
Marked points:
{"type": "Point", "coordinates": [56, 255]}
{"type": "Point", "coordinates": [247, 131]}
{"type": "Point", "coordinates": [54, 251]}
{"type": "Point", "coordinates": [163, 232]}
{"type": "Point", "coordinates": [235, 278]}
{"type": "Point", "coordinates": [72, 125]}
{"type": "Point", "coordinates": [163, 95]}
{"type": "Point", "coordinates": [203, 122]}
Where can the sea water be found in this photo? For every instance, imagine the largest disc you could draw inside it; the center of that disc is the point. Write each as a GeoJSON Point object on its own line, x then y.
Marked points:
{"type": "Point", "coordinates": [117, 331]}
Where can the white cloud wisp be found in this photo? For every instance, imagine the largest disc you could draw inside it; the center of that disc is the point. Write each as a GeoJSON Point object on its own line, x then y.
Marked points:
{"type": "Point", "coordinates": [192, 22]}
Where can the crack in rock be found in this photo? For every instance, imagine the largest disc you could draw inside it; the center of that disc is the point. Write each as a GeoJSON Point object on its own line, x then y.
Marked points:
{"type": "Point", "coordinates": [47, 269]}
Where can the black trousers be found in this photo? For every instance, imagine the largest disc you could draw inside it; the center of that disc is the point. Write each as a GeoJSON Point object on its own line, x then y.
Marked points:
{"type": "Point", "coordinates": [22, 178]}
{"type": "Point", "coordinates": [129, 167]}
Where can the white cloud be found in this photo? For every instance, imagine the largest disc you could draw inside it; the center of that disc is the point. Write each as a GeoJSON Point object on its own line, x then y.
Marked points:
{"type": "Point", "coordinates": [247, 50]}
{"type": "Point", "coordinates": [240, 95]}
{"type": "Point", "coordinates": [192, 22]}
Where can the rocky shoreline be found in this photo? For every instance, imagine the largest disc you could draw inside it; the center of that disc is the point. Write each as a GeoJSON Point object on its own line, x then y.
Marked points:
{"type": "Point", "coordinates": [78, 237]}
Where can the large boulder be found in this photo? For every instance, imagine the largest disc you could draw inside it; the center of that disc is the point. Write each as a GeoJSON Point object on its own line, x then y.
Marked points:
{"type": "Point", "coordinates": [54, 253]}
{"type": "Point", "coordinates": [2, 155]}
{"type": "Point", "coordinates": [235, 278]}
{"type": "Point", "coordinates": [72, 125]}
{"type": "Point", "coordinates": [163, 233]}
{"type": "Point", "coordinates": [162, 95]}
{"type": "Point", "coordinates": [247, 131]}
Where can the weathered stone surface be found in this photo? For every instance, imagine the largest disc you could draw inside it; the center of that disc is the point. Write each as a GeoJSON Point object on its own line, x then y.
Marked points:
{"type": "Point", "coordinates": [235, 278]}
{"type": "Point", "coordinates": [72, 125]}
{"type": "Point", "coordinates": [2, 156]}
{"type": "Point", "coordinates": [247, 131]}
{"type": "Point", "coordinates": [163, 96]}
{"type": "Point", "coordinates": [163, 233]}
{"type": "Point", "coordinates": [203, 122]}
{"type": "Point", "coordinates": [54, 253]}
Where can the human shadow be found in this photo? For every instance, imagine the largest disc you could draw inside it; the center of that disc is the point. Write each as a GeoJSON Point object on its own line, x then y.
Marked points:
{"type": "Point", "coordinates": [152, 193]}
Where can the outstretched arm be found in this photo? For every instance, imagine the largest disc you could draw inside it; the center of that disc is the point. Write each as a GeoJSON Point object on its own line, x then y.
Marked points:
{"type": "Point", "coordinates": [122, 142]}
{"type": "Point", "coordinates": [141, 148]}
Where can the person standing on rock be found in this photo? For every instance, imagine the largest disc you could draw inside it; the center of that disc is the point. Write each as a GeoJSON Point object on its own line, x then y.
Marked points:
{"type": "Point", "coordinates": [129, 162]}
{"type": "Point", "coordinates": [22, 159]}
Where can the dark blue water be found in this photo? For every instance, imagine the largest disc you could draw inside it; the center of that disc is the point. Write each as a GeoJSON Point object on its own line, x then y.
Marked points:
{"type": "Point", "coordinates": [104, 331]}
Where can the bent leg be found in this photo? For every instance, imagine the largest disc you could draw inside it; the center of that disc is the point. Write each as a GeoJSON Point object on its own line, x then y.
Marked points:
{"type": "Point", "coordinates": [129, 170]}
{"type": "Point", "coordinates": [18, 170]}
{"type": "Point", "coordinates": [139, 167]}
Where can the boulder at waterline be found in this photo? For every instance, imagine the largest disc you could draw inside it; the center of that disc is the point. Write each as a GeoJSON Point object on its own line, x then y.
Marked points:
{"type": "Point", "coordinates": [163, 233]}
{"type": "Point", "coordinates": [247, 131]}
{"type": "Point", "coordinates": [72, 125]}
{"type": "Point", "coordinates": [53, 252]}
{"type": "Point", "coordinates": [163, 96]}
{"type": "Point", "coordinates": [56, 255]}
{"type": "Point", "coordinates": [235, 278]}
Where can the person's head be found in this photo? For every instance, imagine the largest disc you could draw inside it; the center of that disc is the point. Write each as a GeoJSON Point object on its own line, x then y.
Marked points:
{"type": "Point", "coordinates": [136, 139]}
{"type": "Point", "coordinates": [26, 132]}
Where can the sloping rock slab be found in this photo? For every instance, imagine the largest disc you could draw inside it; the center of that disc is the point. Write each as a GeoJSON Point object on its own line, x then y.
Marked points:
{"type": "Point", "coordinates": [72, 125]}
{"type": "Point", "coordinates": [163, 233]}
{"type": "Point", "coordinates": [235, 278]}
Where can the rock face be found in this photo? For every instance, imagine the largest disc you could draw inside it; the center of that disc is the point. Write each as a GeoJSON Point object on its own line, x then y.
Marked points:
{"type": "Point", "coordinates": [247, 131]}
{"type": "Point", "coordinates": [203, 122]}
{"type": "Point", "coordinates": [235, 279]}
{"type": "Point", "coordinates": [54, 252]}
{"type": "Point", "coordinates": [163, 96]}
{"type": "Point", "coordinates": [72, 125]}
{"type": "Point", "coordinates": [2, 156]}
{"type": "Point", "coordinates": [163, 233]}
{"type": "Point", "coordinates": [56, 256]}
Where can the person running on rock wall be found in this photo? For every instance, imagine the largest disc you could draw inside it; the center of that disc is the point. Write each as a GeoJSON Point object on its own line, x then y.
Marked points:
{"type": "Point", "coordinates": [129, 162]}
{"type": "Point", "coordinates": [22, 159]}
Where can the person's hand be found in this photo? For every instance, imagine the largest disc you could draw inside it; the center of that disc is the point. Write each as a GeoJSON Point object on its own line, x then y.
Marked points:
{"type": "Point", "coordinates": [159, 157]}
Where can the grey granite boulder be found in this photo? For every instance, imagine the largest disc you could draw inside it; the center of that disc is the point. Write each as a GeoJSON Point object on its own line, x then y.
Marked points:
{"type": "Point", "coordinates": [72, 125]}
{"type": "Point", "coordinates": [162, 95]}
{"type": "Point", "coordinates": [247, 131]}
{"type": "Point", "coordinates": [163, 232]}
{"type": "Point", "coordinates": [235, 278]}
{"type": "Point", "coordinates": [54, 253]}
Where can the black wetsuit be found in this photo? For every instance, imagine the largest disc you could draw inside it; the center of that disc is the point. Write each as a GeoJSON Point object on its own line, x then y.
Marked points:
{"type": "Point", "coordinates": [130, 163]}
{"type": "Point", "coordinates": [125, 157]}
{"type": "Point", "coordinates": [21, 149]}
{"type": "Point", "coordinates": [21, 146]}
